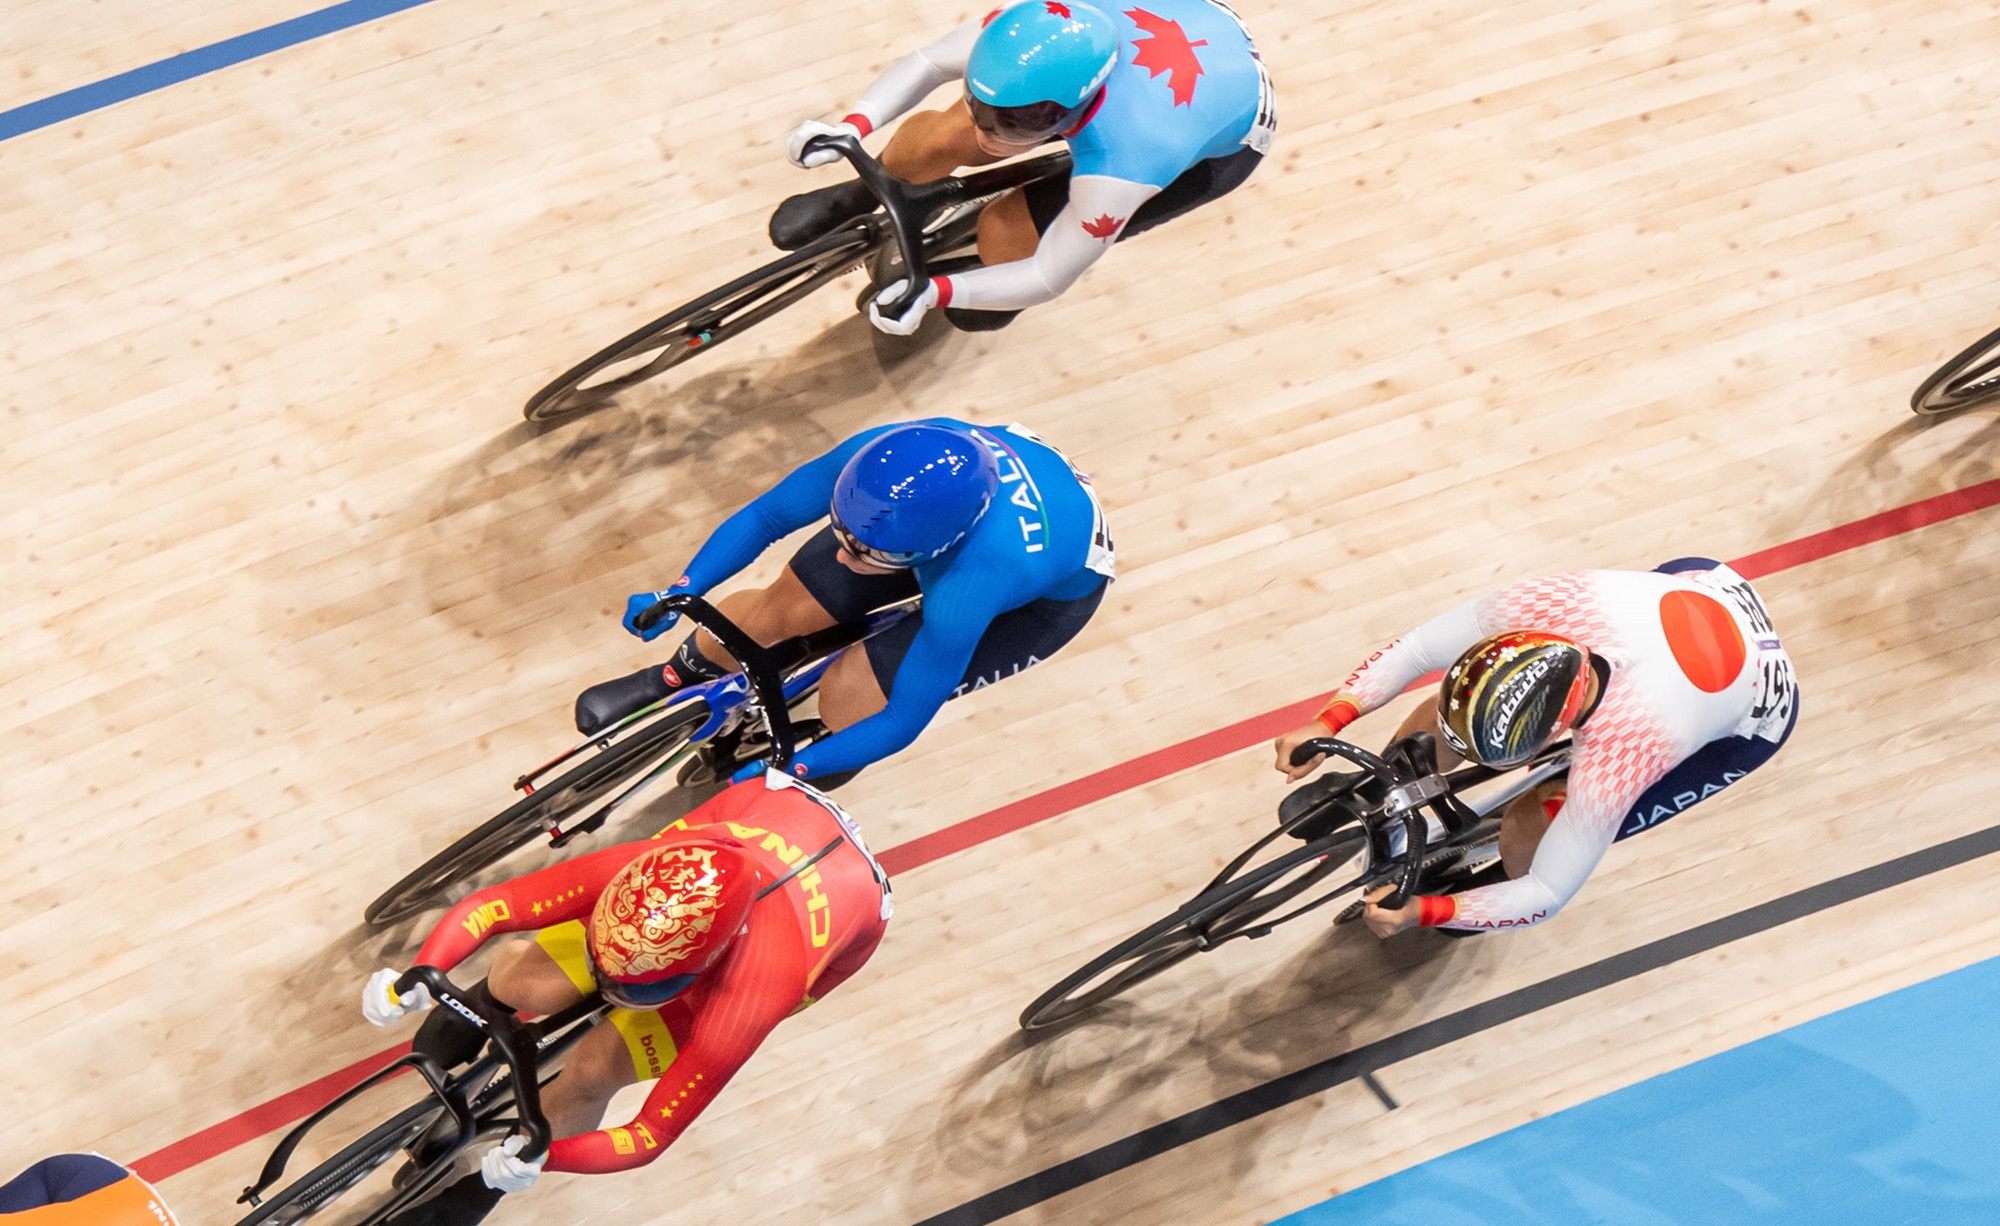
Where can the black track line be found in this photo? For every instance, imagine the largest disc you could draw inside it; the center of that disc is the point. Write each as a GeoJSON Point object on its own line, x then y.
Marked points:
{"type": "Point", "coordinates": [1370, 1058]}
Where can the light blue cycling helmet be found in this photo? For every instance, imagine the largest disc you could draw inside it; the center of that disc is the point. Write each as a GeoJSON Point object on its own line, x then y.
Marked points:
{"type": "Point", "coordinates": [1037, 66]}
{"type": "Point", "coordinates": [912, 493]}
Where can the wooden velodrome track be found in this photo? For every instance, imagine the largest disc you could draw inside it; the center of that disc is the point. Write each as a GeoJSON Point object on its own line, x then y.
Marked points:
{"type": "Point", "coordinates": [293, 594]}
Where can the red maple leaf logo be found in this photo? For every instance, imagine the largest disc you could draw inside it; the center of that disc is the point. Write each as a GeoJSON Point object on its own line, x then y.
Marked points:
{"type": "Point", "coordinates": [1056, 10]}
{"type": "Point", "coordinates": [1105, 227]}
{"type": "Point", "coordinates": [1167, 50]}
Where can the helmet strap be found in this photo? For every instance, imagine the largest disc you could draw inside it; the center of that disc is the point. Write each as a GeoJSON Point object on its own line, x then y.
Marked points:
{"type": "Point", "coordinates": [1602, 668]}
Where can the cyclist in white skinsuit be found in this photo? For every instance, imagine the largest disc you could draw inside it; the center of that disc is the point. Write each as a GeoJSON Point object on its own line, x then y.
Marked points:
{"type": "Point", "coordinates": [1692, 690]}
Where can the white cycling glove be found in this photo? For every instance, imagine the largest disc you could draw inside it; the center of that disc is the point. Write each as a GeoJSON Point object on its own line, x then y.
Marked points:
{"type": "Point", "coordinates": [383, 1007]}
{"type": "Point", "coordinates": [503, 1170]}
{"type": "Point", "coordinates": [795, 145]}
{"type": "Point", "coordinates": [909, 321]}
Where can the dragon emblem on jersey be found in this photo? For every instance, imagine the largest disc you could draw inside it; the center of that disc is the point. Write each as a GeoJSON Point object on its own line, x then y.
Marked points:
{"type": "Point", "coordinates": [652, 932]}
{"type": "Point", "coordinates": [1167, 50]}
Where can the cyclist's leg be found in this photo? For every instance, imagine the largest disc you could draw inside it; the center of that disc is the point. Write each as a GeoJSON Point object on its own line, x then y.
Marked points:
{"type": "Point", "coordinates": [1012, 226]}
{"type": "Point", "coordinates": [928, 145]}
{"type": "Point", "coordinates": [1526, 819]}
{"type": "Point", "coordinates": [814, 591]}
{"type": "Point", "coordinates": [931, 144]}
{"type": "Point", "coordinates": [552, 972]}
{"type": "Point", "coordinates": [1424, 718]}
{"type": "Point", "coordinates": [603, 1062]}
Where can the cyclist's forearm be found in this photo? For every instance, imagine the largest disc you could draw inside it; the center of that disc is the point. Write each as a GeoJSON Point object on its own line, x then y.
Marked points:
{"type": "Point", "coordinates": [1429, 648]}
{"type": "Point", "coordinates": [1563, 861]}
{"type": "Point", "coordinates": [862, 744]}
{"type": "Point", "coordinates": [911, 79]}
{"type": "Point", "coordinates": [800, 499]}
{"type": "Point", "coordinates": [1097, 212]}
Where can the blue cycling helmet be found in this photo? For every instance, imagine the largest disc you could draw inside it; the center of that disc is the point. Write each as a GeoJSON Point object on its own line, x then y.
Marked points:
{"type": "Point", "coordinates": [912, 493]}
{"type": "Point", "coordinates": [1037, 66]}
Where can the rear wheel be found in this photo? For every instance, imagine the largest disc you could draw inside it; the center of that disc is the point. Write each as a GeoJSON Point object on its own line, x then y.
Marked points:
{"type": "Point", "coordinates": [700, 325]}
{"type": "Point", "coordinates": [1973, 377]}
{"type": "Point", "coordinates": [1225, 911]}
{"type": "Point", "coordinates": [532, 816]}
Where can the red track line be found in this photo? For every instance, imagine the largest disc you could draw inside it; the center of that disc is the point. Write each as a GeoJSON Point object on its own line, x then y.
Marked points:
{"type": "Point", "coordinates": [1880, 527]}
{"type": "Point", "coordinates": [1067, 797]}
{"type": "Point", "coordinates": [260, 1119]}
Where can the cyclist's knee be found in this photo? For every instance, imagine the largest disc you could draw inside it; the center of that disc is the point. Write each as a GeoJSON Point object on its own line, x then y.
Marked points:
{"type": "Point", "coordinates": [597, 1068]}
{"type": "Point", "coordinates": [783, 610]}
{"type": "Point", "coordinates": [1007, 230]}
{"type": "Point", "coordinates": [1526, 820]}
{"type": "Point", "coordinates": [525, 977]}
{"type": "Point", "coordinates": [931, 144]}
{"type": "Point", "coordinates": [850, 692]}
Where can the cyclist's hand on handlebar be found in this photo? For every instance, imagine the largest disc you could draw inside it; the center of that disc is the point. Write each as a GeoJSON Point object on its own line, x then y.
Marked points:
{"type": "Point", "coordinates": [795, 144]}
{"type": "Point", "coordinates": [757, 770]}
{"type": "Point", "coordinates": [502, 1168]}
{"type": "Point", "coordinates": [909, 321]}
{"type": "Point", "coordinates": [1291, 741]}
{"type": "Point", "coordinates": [383, 1007]}
{"type": "Point", "coordinates": [639, 602]}
{"type": "Point", "coordinates": [1384, 923]}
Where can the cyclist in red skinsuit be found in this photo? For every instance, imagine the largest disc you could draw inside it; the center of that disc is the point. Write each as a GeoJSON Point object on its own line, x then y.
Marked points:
{"type": "Point", "coordinates": [802, 940]}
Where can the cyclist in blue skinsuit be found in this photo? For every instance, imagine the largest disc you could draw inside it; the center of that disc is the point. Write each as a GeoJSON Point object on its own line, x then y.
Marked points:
{"type": "Point", "coordinates": [1004, 539]}
{"type": "Point", "coordinates": [1165, 104]}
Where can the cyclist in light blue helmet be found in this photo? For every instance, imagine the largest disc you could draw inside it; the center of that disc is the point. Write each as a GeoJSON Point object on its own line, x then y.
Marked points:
{"type": "Point", "coordinates": [1036, 68]}
{"type": "Point", "coordinates": [1165, 105]}
{"type": "Point", "coordinates": [1005, 541]}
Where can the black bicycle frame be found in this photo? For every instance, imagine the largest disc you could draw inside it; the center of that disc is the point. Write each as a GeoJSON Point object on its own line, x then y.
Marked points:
{"type": "Point", "coordinates": [1413, 784]}
{"type": "Point", "coordinates": [911, 206]}
{"type": "Point", "coordinates": [516, 1046]}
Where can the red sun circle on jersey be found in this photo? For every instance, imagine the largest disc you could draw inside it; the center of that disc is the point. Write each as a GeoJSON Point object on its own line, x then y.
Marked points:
{"type": "Point", "coordinates": [1704, 639]}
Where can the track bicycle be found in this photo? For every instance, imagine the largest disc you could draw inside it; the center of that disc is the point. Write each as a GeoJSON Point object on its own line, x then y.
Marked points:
{"type": "Point", "coordinates": [1973, 377]}
{"type": "Point", "coordinates": [919, 228]}
{"type": "Point", "coordinates": [1349, 824]}
{"type": "Point", "coordinates": [499, 1092]}
{"type": "Point", "coordinates": [703, 732]}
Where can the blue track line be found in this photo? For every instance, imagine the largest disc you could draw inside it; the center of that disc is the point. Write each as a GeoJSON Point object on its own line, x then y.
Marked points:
{"type": "Point", "coordinates": [1877, 1114]}
{"type": "Point", "coordinates": [191, 64]}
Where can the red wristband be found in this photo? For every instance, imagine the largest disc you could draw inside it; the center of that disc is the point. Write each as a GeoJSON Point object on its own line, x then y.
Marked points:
{"type": "Point", "coordinates": [944, 291]}
{"type": "Point", "coordinates": [1337, 715]}
{"type": "Point", "coordinates": [1434, 911]}
{"type": "Point", "coordinates": [859, 123]}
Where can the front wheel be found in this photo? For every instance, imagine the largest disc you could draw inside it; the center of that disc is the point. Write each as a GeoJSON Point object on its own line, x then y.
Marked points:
{"type": "Point", "coordinates": [1232, 909]}
{"type": "Point", "coordinates": [700, 325]}
{"type": "Point", "coordinates": [327, 1182]}
{"type": "Point", "coordinates": [532, 816]}
{"type": "Point", "coordinates": [1973, 377]}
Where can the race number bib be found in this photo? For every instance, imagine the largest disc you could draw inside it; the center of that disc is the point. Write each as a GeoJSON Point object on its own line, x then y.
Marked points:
{"type": "Point", "coordinates": [1777, 685]}
{"type": "Point", "coordinates": [1103, 555]}
{"type": "Point", "coordinates": [1265, 126]}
